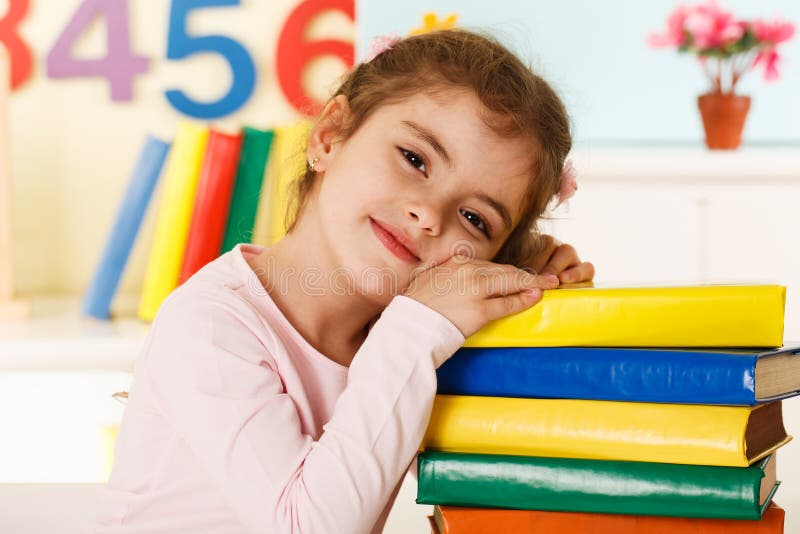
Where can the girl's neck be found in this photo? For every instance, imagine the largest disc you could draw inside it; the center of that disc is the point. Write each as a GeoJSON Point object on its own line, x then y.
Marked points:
{"type": "Point", "coordinates": [334, 324]}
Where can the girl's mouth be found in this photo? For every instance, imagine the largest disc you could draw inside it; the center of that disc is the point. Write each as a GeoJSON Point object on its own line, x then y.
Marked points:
{"type": "Point", "coordinates": [391, 243]}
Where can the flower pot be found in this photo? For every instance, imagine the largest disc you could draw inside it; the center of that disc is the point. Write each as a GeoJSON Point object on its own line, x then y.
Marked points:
{"type": "Point", "coordinates": [723, 118]}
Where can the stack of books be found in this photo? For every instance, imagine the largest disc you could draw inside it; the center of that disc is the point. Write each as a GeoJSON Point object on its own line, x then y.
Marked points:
{"type": "Point", "coordinates": [219, 189]}
{"type": "Point", "coordinates": [567, 418]}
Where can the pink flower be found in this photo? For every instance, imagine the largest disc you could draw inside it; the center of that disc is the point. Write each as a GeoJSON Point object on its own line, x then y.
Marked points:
{"type": "Point", "coordinates": [381, 44]}
{"type": "Point", "coordinates": [771, 34]}
{"type": "Point", "coordinates": [569, 183]}
{"type": "Point", "coordinates": [775, 32]}
{"type": "Point", "coordinates": [675, 33]}
{"type": "Point", "coordinates": [769, 57]}
{"type": "Point", "coordinates": [710, 26]}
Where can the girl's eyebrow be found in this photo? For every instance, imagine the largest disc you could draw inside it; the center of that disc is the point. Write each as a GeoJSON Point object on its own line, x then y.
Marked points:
{"type": "Point", "coordinates": [430, 138]}
{"type": "Point", "coordinates": [498, 207]}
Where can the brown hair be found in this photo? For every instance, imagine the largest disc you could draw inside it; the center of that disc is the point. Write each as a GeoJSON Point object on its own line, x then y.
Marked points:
{"type": "Point", "coordinates": [520, 105]}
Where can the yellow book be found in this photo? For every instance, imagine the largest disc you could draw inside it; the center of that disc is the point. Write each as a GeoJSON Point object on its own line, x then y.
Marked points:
{"type": "Point", "coordinates": [606, 430]}
{"type": "Point", "coordinates": [287, 162]}
{"type": "Point", "coordinates": [685, 316]}
{"type": "Point", "coordinates": [174, 217]}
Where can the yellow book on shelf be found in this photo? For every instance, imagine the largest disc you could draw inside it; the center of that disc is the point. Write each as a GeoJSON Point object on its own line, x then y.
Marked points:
{"type": "Point", "coordinates": [606, 430]}
{"type": "Point", "coordinates": [680, 316]}
{"type": "Point", "coordinates": [174, 217]}
{"type": "Point", "coordinates": [287, 162]}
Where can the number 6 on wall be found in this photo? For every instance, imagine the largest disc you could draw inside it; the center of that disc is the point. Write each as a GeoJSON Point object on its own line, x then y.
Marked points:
{"type": "Point", "coordinates": [180, 45]}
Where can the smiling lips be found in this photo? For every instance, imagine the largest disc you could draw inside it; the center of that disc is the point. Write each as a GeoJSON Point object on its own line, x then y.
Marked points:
{"type": "Point", "coordinates": [394, 240]}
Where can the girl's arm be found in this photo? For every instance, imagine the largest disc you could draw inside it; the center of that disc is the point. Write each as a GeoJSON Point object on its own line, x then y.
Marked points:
{"type": "Point", "coordinates": [217, 383]}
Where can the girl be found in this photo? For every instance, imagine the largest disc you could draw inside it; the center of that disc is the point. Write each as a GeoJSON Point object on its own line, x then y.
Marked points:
{"type": "Point", "coordinates": [287, 389]}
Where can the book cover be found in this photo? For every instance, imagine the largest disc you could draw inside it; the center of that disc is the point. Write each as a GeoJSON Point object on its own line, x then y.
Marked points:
{"type": "Point", "coordinates": [685, 316]}
{"type": "Point", "coordinates": [98, 298]}
{"type": "Point", "coordinates": [612, 487]}
{"type": "Point", "coordinates": [287, 163]}
{"type": "Point", "coordinates": [606, 430]}
{"type": "Point", "coordinates": [247, 187]}
{"type": "Point", "coordinates": [679, 376]}
{"type": "Point", "coordinates": [212, 201]}
{"type": "Point", "coordinates": [462, 520]}
{"type": "Point", "coordinates": [174, 216]}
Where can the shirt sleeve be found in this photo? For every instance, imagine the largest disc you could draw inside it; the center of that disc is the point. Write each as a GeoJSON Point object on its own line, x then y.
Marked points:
{"type": "Point", "coordinates": [216, 382]}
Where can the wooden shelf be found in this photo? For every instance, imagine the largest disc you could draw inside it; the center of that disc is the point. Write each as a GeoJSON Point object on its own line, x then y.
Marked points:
{"type": "Point", "coordinates": [57, 338]}
{"type": "Point", "coordinates": [690, 164]}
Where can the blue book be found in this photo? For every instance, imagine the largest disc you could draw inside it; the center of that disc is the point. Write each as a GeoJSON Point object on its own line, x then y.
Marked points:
{"type": "Point", "coordinates": [720, 376]}
{"type": "Point", "coordinates": [97, 301]}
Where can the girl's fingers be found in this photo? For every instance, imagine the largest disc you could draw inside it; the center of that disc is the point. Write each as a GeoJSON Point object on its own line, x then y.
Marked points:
{"type": "Point", "coordinates": [499, 280]}
{"type": "Point", "coordinates": [510, 304]}
{"type": "Point", "coordinates": [546, 249]}
{"type": "Point", "coordinates": [583, 272]}
{"type": "Point", "coordinates": [562, 259]}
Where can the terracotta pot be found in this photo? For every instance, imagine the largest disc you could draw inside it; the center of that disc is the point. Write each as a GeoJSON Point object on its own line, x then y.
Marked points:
{"type": "Point", "coordinates": [723, 118]}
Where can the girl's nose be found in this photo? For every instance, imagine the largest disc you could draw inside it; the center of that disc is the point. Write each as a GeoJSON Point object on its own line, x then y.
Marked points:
{"type": "Point", "coordinates": [425, 217]}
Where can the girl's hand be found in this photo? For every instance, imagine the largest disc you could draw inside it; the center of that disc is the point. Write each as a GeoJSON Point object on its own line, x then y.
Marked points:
{"type": "Point", "coordinates": [471, 292]}
{"type": "Point", "coordinates": [560, 259]}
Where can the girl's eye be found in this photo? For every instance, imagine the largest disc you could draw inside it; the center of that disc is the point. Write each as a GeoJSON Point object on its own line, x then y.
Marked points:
{"type": "Point", "coordinates": [415, 160]}
{"type": "Point", "coordinates": [477, 221]}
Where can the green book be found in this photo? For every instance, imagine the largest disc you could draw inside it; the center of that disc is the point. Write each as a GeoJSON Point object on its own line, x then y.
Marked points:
{"type": "Point", "coordinates": [247, 187]}
{"type": "Point", "coordinates": [602, 486]}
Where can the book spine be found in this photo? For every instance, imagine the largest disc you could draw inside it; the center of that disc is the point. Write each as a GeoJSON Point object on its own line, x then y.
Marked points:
{"type": "Point", "coordinates": [692, 316]}
{"type": "Point", "coordinates": [571, 485]}
{"type": "Point", "coordinates": [461, 520]}
{"type": "Point", "coordinates": [174, 217]}
{"type": "Point", "coordinates": [567, 428]}
{"type": "Point", "coordinates": [639, 375]}
{"type": "Point", "coordinates": [97, 301]}
{"type": "Point", "coordinates": [212, 202]}
{"type": "Point", "coordinates": [291, 163]}
{"type": "Point", "coordinates": [247, 187]}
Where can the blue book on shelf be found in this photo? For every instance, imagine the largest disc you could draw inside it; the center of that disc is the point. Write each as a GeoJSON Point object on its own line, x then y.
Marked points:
{"type": "Point", "coordinates": [97, 302]}
{"type": "Point", "coordinates": [687, 376]}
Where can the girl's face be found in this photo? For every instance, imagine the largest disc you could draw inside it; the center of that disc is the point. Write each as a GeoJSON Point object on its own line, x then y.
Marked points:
{"type": "Point", "coordinates": [426, 169]}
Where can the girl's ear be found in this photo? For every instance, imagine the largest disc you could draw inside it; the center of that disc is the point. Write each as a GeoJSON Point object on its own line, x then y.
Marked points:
{"type": "Point", "coordinates": [326, 132]}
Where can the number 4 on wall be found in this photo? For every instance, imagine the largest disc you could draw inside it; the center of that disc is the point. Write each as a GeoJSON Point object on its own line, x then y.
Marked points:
{"type": "Point", "coordinates": [120, 64]}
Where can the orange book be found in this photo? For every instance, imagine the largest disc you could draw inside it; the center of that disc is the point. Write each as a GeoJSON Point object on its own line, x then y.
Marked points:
{"type": "Point", "coordinates": [459, 520]}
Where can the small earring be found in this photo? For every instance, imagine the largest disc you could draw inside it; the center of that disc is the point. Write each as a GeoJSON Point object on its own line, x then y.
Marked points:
{"type": "Point", "coordinates": [313, 163]}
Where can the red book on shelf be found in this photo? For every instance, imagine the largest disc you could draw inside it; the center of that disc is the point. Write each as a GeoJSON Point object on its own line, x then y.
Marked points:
{"type": "Point", "coordinates": [213, 200]}
{"type": "Point", "coordinates": [461, 520]}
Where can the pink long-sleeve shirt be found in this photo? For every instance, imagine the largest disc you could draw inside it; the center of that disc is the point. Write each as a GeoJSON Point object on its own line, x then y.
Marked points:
{"type": "Point", "coordinates": [236, 424]}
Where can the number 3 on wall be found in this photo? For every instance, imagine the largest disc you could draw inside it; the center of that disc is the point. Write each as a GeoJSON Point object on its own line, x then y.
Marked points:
{"type": "Point", "coordinates": [20, 54]}
{"type": "Point", "coordinates": [180, 45]}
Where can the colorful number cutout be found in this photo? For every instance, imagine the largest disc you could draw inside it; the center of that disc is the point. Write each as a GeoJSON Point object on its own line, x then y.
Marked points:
{"type": "Point", "coordinates": [119, 66]}
{"type": "Point", "coordinates": [295, 52]}
{"type": "Point", "coordinates": [18, 50]}
{"type": "Point", "coordinates": [180, 45]}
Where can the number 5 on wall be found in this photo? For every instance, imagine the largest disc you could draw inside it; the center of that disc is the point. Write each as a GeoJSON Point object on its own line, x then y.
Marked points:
{"type": "Point", "coordinates": [180, 45]}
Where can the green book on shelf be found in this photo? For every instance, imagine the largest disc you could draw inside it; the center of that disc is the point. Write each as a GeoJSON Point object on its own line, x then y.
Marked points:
{"type": "Point", "coordinates": [247, 187]}
{"type": "Point", "coordinates": [603, 486]}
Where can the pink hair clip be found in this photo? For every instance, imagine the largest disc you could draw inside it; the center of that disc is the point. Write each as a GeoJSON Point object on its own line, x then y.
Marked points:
{"type": "Point", "coordinates": [569, 183]}
{"type": "Point", "coordinates": [380, 44]}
